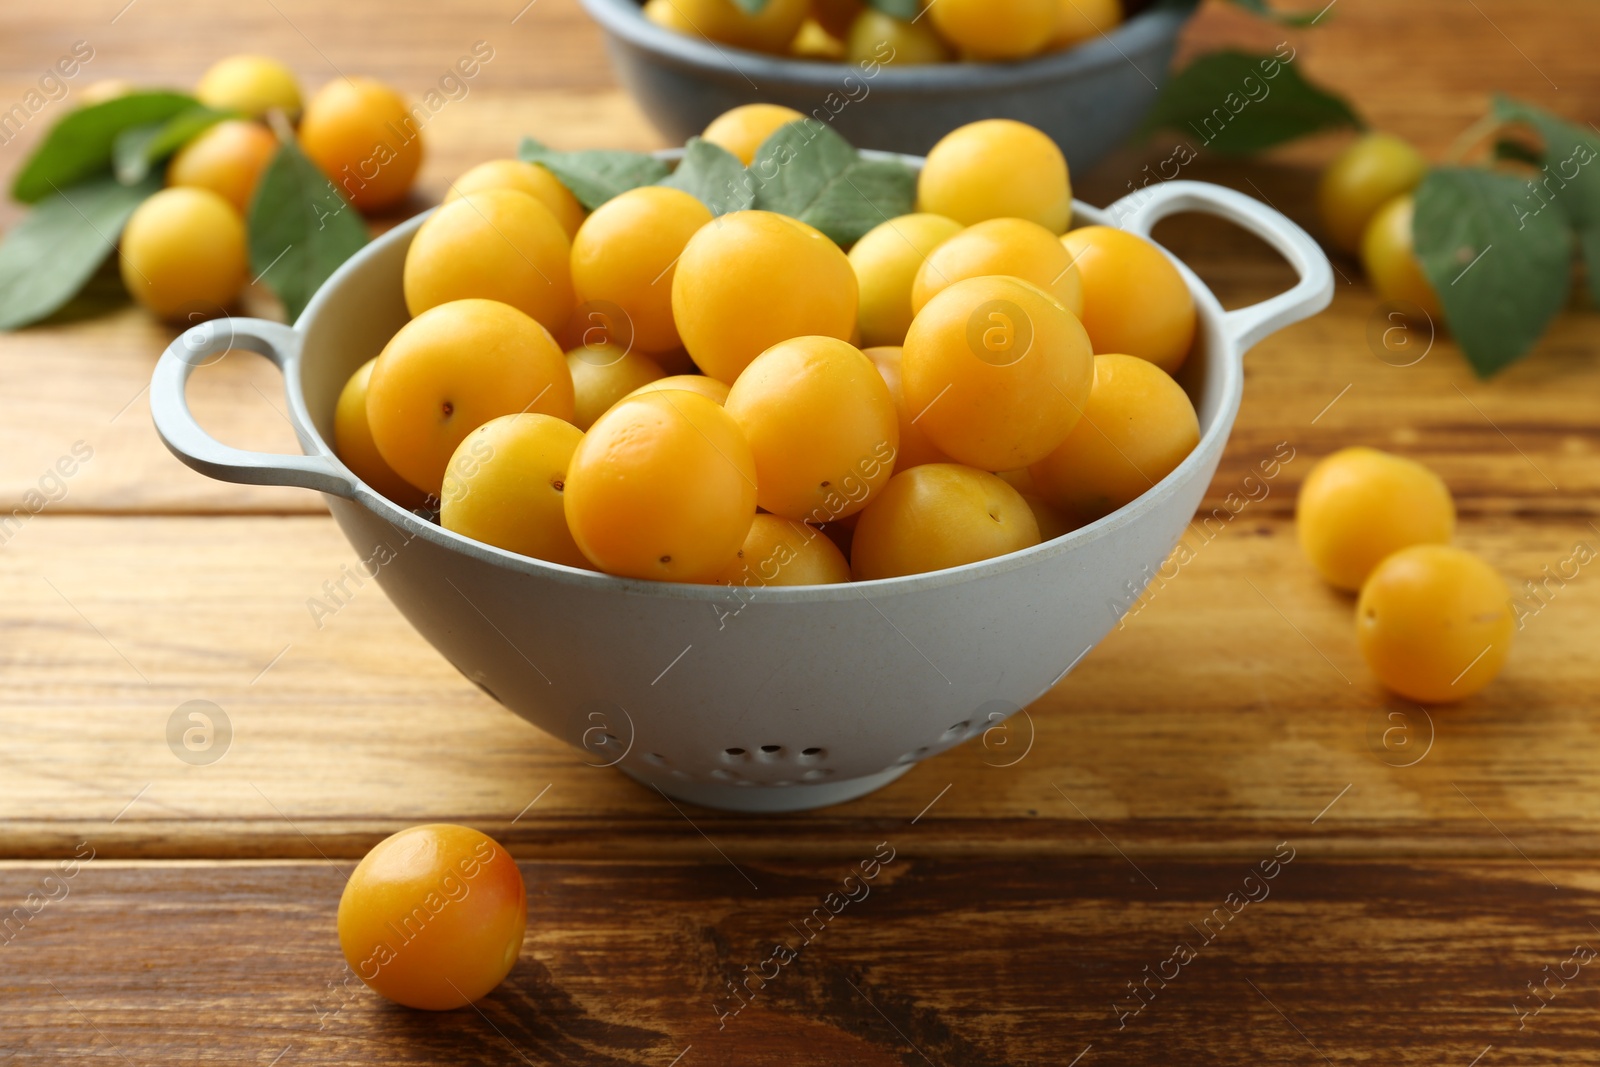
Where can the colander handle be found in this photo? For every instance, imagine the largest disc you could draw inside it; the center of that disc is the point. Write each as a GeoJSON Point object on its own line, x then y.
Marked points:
{"type": "Point", "coordinates": [1139, 212]}
{"type": "Point", "coordinates": [182, 434]}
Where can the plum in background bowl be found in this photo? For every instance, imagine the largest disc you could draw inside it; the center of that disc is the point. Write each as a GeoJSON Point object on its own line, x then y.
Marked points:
{"type": "Point", "coordinates": [1088, 98]}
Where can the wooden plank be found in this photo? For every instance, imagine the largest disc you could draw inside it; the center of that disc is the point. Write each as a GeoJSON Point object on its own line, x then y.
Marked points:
{"type": "Point", "coordinates": [938, 961]}
{"type": "Point", "coordinates": [1233, 699]}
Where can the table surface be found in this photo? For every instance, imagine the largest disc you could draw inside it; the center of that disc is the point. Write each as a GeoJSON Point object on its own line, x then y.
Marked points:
{"type": "Point", "coordinates": [1433, 868]}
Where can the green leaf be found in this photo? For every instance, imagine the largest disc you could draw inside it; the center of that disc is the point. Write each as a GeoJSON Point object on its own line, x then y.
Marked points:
{"type": "Point", "coordinates": [1237, 103]}
{"type": "Point", "coordinates": [81, 144]}
{"type": "Point", "coordinates": [1509, 149]}
{"type": "Point", "coordinates": [1500, 279]}
{"type": "Point", "coordinates": [714, 176]}
{"type": "Point", "coordinates": [1570, 180]}
{"type": "Point", "coordinates": [595, 176]}
{"type": "Point", "coordinates": [138, 148]}
{"type": "Point", "coordinates": [806, 170]}
{"type": "Point", "coordinates": [1589, 245]}
{"type": "Point", "coordinates": [50, 254]}
{"type": "Point", "coordinates": [904, 10]}
{"type": "Point", "coordinates": [301, 229]}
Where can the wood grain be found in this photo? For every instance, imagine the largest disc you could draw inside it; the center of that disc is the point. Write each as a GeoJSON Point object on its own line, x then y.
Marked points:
{"type": "Point", "coordinates": [942, 961]}
{"type": "Point", "coordinates": [1233, 699]}
{"type": "Point", "coordinates": [1525, 441]}
{"type": "Point", "coordinates": [1443, 861]}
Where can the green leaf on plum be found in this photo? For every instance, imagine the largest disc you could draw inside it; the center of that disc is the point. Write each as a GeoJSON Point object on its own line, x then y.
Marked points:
{"type": "Point", "coordinates": [595, 176]}
{"type": "Point", "coordinates": [1501, 274]}
{"type": "Point", "coordinates": [806, 170]}
{"type": "Point", "coordinates": [1237, 103]}
{"type": "Point", "coordinates": [301, 228]}
{"type": "Point", "coordinates": [138, 148]}
{"type": "Point", "coordinates": [714, 176]}
{"type": "Point", "coordinates": [81, 145]}
{"type": "Point", "coordinates": [49, 256]}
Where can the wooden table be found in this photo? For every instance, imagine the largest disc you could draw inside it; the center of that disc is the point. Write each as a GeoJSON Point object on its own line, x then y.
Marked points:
{"type": "Point", "coordinates": [1440, 863]}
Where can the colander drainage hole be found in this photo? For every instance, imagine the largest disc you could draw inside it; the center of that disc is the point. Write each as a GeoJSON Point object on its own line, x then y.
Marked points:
{"type": "Point", "coordinates": [657, 759]}
{"type": "Point", "coordinates": [812, 754]}
{"type": "Point", "coordinates": [733, 755]}
{"type": "Point", "coordinates": [770, 753]}
{"type": "Point", "coordinates": [955, 731]}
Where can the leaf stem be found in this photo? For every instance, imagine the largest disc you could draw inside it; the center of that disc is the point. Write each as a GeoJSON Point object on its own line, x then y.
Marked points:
{"type": "Point", "coordinates": [278, 122]}
{"type": "Point", "coordinates": [1472, 136]}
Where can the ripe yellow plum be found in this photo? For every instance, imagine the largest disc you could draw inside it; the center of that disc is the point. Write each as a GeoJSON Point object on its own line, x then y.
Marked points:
{"type": "Point", "coordinates": [505, 486]}
{"type": "Point", "coordinates": [362, 136]}
{"type": "Point", "coordinates": [881, 38]}
{"type": "Point", "coordinates": [754, 279]}
{"type": "Point", "coordinates": [915, 448]}
{"type": "Point", "coordinates": [821, 425]}
{"type": "Point", "coordinates": [1367, 175]}
{"type": "Point", "coordinates": [1052, 523]}
{"type": "Point", "coordinates": [1388, 254]}
{"type": "Point", "coordinates": [770, 30]}
{"type": "Point", "coordinates": [996, 29]}
{"type": "Point", "coordinates": [530, 178]}
{"type": "Point", "coordinates": [811, 41]}
{"type": "Point", "coordinates": [627, 254]}
{"type": "Point", "coordinates": [1359, 505]}
{"type": "Point", "coordinates": [602, 375]}
{"type": "Point", "coordinates": [936, 516]}
{"type": "Point", "coordinates": [1136, 428]}
{"type": "Point", "coordinates": [663, 486]}
{"type": "Point", "coordinates": [498, 244]}
{"type": "Point", "coordinates": [1434, 623]}
{"type": "Point", "coordinates": [886, 261]}
{"type": "Point", "coordinates": [1083, 20]}
{"type": "Point", "coordinates": [352, 440]}
{"type": "Point", "coordinates": [995, 169]}
{"type": "Point", "coordinates": [1134, 300]}
{"type": "Point", "coordinates": [253, 85]}
{"type": "Point", "coordinates": [998, 371]}
{"type": "Point", "coordinates": [742, 130]}
{"type": "Point", "coordinates": [452, 369]}
{"type": "Point", "coordinates": [1015, 247]}
{"type": "Point", "coordinates": [228, 159]}
{"type": "Point", "coordinates": [184, 250]}
{"type": "Point", "coordinates": [710, 388]}
{"type": "Point", "coordinates": [433, 917]}
{"type": "Point", "coordinates": [780, 551]}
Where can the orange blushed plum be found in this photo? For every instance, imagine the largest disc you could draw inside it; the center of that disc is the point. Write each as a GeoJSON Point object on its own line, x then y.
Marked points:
{"type": "Point", "coordinates": [1136, 428]}
{"type": "Point", "coordinates": [936, 516]}
{"type": "Point", "coordinates": [498, 244]}
{"type": "Point", "coordinates": [663, 486]}
{"type": "Point", "coordinates": [433, 917]}
{"type": "Point", "coordinates": [452, 369]}
{"type": "Point", "coordinates": [998, 372]}
{"type": "Point", "coordinates": [754, 279]}
{"type": "Point", "coordinates": [780, 551]}
{"type": "Point", "coordinates": [362, 136]}
{"type": "Point", "coordinates": [821, 425]}
{"type": "Point", "coordinates": [352, 440]}
{"type": "Point", "coordinates": [1134, 300]}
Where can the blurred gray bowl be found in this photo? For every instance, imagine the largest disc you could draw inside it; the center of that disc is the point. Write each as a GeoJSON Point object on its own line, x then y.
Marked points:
{"type": "Point", "coordinates": [1089, 98]}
